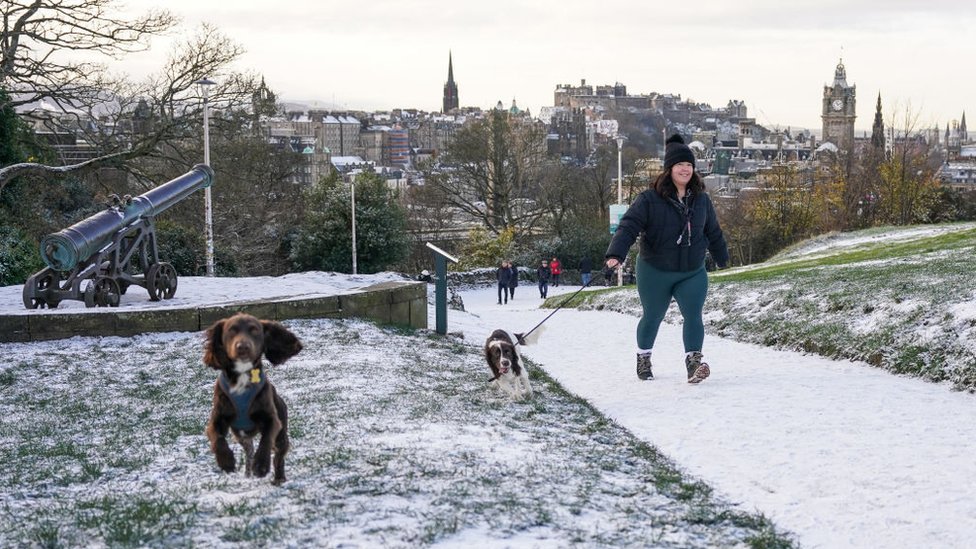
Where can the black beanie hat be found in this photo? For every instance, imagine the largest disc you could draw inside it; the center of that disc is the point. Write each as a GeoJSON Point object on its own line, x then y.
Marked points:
{"type": "Point", "coordinates": [676, 151]}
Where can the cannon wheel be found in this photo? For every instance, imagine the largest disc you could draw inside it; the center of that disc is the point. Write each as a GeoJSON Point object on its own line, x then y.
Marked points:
{"type": "Point", "coordinates": [161, 281]}
{"type": "Point", "coordinates": [38, 284]}
{"type": "Point", "coordinates": [102, 292]}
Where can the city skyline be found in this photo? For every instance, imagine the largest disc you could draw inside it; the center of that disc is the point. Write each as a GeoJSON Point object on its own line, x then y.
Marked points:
{"type": "Point", "coordinates": [775, 57]}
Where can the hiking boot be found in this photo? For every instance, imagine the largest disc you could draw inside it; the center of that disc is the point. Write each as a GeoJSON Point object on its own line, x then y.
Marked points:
{"type": "Point", "coordinates": [697, 370]}
{"type": "Point", "coordinates": [644, 366]}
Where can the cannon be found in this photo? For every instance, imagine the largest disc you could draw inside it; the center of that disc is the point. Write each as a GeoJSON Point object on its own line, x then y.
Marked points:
{"type": "Point", "coordinates": [112, 250]}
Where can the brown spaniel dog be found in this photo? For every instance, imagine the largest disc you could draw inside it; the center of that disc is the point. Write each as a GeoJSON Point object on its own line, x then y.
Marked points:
{"type": "Point", "coordinates": [245, 402]}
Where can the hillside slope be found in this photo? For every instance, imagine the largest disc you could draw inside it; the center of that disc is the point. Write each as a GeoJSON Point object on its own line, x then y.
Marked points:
{"type": "Point", "coordinates": [903, 299]}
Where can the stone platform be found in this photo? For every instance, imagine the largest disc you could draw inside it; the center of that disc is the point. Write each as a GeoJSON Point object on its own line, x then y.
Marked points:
{"type": "Point", "coordinates": [399, 303]}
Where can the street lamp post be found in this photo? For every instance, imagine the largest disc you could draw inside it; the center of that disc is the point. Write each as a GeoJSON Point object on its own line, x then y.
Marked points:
{"type": "Point", "coordinates": [352, 186]}
{"type": "Point", "coordinates": [205, 84]}
{"type": "Point", "coordinates": [620, 192]}
{"type": "Point", "coordinates": [620, 145]}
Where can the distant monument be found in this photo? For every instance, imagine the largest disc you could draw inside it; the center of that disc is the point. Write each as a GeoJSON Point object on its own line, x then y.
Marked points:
{"type": "Point", "coordinates": [450, 88]}
{"type": "Point", "coordinates": [877, 130]}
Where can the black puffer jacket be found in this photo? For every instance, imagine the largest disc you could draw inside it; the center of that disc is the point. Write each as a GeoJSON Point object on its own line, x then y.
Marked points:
{"type": "Point", "coordinates": [660, 223]}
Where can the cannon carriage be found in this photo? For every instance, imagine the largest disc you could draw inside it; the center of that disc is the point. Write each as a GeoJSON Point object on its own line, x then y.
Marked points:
{"type": "Point", "coordinates": [97, 259]}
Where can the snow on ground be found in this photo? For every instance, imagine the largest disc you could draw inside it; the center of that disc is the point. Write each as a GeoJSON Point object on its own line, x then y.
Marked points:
{"type": "Point", "coordinates": [836, 242]}
{"type": "Point", "coordinates": [194, 291]}
{"type": "Point", "coordinates": [397, 441]}
{"type": "Point", "coordinates": [843, 454]}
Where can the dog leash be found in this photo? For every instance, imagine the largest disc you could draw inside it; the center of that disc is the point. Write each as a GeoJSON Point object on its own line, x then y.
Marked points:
{"type": "Point", "coordinates": [520, 338]}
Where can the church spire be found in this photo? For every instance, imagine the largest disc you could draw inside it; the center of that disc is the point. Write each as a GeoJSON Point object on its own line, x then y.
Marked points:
{"type": "Point", "coordinates": [450, 88]}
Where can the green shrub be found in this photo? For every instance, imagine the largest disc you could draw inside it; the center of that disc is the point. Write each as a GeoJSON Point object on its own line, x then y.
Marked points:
{"type": "Point", "coordinates": [181, 247]}
{"type": "Point", "coordinates": [185, 249]}
{"type": "Point", "coordinates": [325, 240]}
{"type": "Point", "coordinates": [19, 256]}
{"type": "Point", "coordinates": [483, 249]}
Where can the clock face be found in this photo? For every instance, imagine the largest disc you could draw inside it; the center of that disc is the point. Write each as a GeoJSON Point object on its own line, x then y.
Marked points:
{"type": "Point", "coordinates": [837, 104]}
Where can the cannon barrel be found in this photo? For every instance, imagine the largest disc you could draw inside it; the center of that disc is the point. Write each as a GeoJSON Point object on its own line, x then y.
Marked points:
{"type": "Point", "coordinates": [63, 250]}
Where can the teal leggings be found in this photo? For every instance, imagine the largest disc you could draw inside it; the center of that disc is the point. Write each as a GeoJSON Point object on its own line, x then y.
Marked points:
{"type": "Point", "coordinates": [656, 288]}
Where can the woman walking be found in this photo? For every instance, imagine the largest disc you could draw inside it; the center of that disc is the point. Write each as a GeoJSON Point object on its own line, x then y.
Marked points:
{"type": "Point", "coordinates": [677, 224]}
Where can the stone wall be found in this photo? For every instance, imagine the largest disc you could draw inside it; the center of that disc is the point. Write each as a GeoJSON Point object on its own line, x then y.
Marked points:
{"type": "Point", "coordinates": [400, 303]}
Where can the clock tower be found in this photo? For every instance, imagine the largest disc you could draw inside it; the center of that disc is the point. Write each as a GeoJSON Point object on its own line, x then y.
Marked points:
{"type": "Point", "coordinates": [838, 111]}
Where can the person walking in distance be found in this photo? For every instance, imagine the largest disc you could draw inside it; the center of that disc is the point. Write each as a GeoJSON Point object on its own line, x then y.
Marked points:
{"type": "Point", "coordinates": [557, 269]}
{"type": "Point", "coordinates": [586, 270]}
{"type": "Point", "coordinates": [513, 281]}
{"type": "Point", "coordinates": [543, 273]}
{"type": "Point", "coordinates": [677, 224]}
{"type": "Point", "coordinates": [504, 275]}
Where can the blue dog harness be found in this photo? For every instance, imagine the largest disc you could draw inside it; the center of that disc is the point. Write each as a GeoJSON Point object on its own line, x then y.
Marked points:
{"type": "Point", "coordinates": [242, 400]}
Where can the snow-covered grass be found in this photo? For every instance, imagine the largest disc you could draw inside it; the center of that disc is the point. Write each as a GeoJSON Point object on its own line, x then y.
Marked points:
{"type": "Point", "coordinates": [902, 299]}
{"type": "Point", "coordinates": [397, 441]}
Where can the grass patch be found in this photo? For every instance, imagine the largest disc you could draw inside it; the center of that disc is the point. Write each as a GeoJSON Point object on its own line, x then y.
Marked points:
{"type": "Point", "coordinates": [422, 454]}
{"type": "Point", "coordinates": [902, 304]}
{"type": "Point", "coordinates": [957, 240]}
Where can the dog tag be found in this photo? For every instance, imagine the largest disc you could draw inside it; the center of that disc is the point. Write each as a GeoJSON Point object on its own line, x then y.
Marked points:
{"type": "Point", "coordinates": [255, 375]}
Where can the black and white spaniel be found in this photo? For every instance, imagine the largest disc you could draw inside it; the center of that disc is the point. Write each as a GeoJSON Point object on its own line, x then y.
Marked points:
{"type": "Point", "coordinates": [508, 371]}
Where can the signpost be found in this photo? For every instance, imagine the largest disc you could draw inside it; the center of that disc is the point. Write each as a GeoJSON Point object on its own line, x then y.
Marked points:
{"type": "Point", "coordinates": [440, 286]}
{"type": "Point", "coordinates": [617, 212]}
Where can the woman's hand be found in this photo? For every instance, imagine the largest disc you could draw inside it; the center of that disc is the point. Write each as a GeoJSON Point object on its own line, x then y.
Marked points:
{"type": "Point", "coordinates": [612, 263]}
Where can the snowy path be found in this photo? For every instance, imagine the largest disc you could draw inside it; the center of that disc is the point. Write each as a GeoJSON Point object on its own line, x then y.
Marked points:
{"type": "Point", "coordinates": [842, 454]}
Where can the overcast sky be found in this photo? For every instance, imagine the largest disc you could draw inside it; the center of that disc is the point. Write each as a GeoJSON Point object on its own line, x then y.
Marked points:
{"type": "Point", "coordinates": [774, 55]}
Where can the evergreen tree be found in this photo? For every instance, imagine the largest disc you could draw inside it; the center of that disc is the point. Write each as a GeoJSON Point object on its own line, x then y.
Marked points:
{"type": "Point", "coordinates": [18, 252]}
{"type": "Point", "coordinates": [325, 240]}
{"type": "Point", "coordinates": [12, 132]}
{"type": "Point", "coordinates": [490, 171]}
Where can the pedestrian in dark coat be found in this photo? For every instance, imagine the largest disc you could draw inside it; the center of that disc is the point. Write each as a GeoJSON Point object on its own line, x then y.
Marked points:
{"type": "Point", "coordinates": [586, 270]}
{"type": "Point", "coordinates": [543, 273]}
{"type": "Point", "coordinates": [513, 281]}
{"type": "Point", "coordinates": [504, 276]}
{"type": "Point", "coordinates": [677, 224]}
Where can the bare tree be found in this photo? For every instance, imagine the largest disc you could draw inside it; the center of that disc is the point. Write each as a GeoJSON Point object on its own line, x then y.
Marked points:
{"type": "Point", "coordinates": [599, 188]}
{"type": "Point", "coordinates": [37, 33]}
{"type": "Point", "coordinates": [561, 195]}
{"type": "Point", "coordinates": [491, 172]}
{"type": "Point", "coordinates": [861, 190]}
{"type": "Point", "coordinates": [785, 205]}
{"type": "Point", "coordinates": [121, 120]}
{"type": "Point", "coordinates": [906, 173]}
{"type": "Point", "coordinates": [742, 232]}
